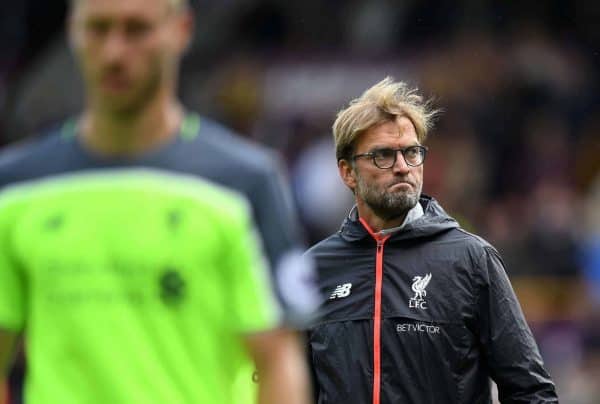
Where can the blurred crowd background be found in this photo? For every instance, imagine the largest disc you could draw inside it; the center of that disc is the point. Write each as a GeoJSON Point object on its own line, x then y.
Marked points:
{"type": "Point", "coordinates": [515, 155]}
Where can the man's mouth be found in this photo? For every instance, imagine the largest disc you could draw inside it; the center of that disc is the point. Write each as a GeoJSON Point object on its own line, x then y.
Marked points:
{"type": "Point", "coordinates": [115, 83]}
{"type": "Point", "coordinates": [401, 184]}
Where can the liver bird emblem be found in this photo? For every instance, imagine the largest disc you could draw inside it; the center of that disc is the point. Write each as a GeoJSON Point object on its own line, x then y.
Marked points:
{"type": "Point", "coordinates": [419, 285]}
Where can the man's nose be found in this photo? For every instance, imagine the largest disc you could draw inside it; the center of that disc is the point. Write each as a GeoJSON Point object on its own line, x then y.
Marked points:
{"type": "Point", "coordinates": [115, 46]}
{"type": "Point", "coordinates": [400, 165]}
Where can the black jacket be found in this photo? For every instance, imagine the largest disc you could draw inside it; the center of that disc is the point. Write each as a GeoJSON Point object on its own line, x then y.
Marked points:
{"type": "Point", "coordinates": [430, 323]}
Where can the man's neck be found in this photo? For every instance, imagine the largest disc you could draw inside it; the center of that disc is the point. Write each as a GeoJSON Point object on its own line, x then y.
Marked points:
{"type": "Point", "coordinates": [129, 135]}
{"type": "Point", "coordinates": [377, 224]}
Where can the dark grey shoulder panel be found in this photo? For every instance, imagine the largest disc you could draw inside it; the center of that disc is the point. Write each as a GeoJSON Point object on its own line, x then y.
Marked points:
{"type": "Point", "coordinates": [239, 152]}
{"type": "Point", "coordinates": [34, 158]}
{"type": "Point", "coordinates": [223, 157]}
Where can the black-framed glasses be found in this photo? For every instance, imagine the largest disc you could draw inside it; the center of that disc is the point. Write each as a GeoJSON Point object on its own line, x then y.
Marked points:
{"type": "Point", "coordinates": [414, 156]}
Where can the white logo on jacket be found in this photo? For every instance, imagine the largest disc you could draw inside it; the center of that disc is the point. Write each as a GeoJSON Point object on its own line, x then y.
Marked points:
{"type": "Point", "coordinates": [341, 291]}
{"type": "Point", "coordinates": [418, 286]}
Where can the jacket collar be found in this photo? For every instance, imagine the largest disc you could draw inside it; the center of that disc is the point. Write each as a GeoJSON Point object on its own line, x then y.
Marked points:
{"type": "Point", "coordinates": [433, 220]}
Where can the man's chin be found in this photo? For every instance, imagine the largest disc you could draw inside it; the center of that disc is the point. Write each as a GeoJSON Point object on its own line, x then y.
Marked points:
{"type": "Point", "coordinates": [393, 209]}
{"type": "Point", "coordinates": [404, 204]}
{"type": "Point", "coordinates": [120, 106]}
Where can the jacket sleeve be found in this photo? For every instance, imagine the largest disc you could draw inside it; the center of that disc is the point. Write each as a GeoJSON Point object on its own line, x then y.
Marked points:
{"type": "Point", "coordinates": [314, 382]}
{"type": "Point", "coordinates": [509, 347]}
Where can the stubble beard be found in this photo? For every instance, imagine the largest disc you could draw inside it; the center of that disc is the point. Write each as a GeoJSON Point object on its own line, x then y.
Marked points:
{"type": "Point", "coordinates": [385, 204]}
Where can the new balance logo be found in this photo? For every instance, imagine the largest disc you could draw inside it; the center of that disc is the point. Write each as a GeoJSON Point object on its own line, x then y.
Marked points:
{"type": "Point", "coordinates": [341, 291]}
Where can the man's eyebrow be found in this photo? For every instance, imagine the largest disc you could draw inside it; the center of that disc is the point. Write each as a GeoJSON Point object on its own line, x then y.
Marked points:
{"type": "Point", "coordinates": [379, 147]}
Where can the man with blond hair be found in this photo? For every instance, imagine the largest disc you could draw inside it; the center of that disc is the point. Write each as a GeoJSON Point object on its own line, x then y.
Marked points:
{"type": "Point", "coordinates": [417, 310]}
{"type": "Point", "coordinates": [129, 259]}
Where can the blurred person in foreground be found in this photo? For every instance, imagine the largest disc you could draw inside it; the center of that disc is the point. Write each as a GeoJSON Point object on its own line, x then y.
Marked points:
{"type": "Point", "coordinates": [132, 275]}
{"type": "Point", "coordinates": [417, 310]}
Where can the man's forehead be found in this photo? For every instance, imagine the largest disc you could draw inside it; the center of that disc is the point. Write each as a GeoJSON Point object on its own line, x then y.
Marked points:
{"type": "Point", "coordinates": [125, 6]}
{"type": "Point", "coordinates": [399, 133]}
{"type": "Point", "coordinates": [405, 124]}
{"type": "Point", "coordinates": [401, 127]}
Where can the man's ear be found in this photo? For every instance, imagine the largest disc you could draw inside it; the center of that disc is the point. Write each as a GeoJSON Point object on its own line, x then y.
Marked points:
{"type": "Point", "coordinates": [347, 173]}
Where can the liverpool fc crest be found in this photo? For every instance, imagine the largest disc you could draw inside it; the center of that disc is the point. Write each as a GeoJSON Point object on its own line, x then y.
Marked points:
{"type": "Point", "coordinates": [418, 286]}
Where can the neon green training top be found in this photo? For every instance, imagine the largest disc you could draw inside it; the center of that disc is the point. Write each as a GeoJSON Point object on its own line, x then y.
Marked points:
{"type": "Point", "coordinates": [131, 286]}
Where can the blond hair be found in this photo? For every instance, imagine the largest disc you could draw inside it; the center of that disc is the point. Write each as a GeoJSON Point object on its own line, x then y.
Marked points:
{"type": "Point", "coordinates": [385, 102]}
{"type": "Point", "coordinates": [177, 5]}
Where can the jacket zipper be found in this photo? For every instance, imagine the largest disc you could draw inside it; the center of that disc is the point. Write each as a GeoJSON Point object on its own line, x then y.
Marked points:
{"type": "Point", "coordinates": [377, 321]}
{"type": "Point", "coordinates": [380, 239]}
